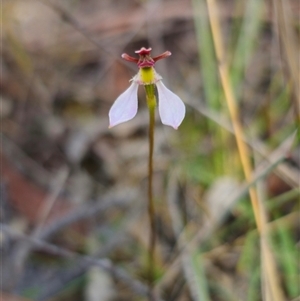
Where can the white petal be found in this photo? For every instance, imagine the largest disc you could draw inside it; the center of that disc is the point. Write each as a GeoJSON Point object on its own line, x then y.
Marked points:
{"type": "Point", "coordinates": [125, 107]}
{"type": "Point", "coordinates": [171, 107]}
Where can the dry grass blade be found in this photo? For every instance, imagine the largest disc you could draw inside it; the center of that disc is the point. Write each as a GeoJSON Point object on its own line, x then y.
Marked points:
{"type": "Point", "coordinates": [231, 102]}
{"type": "Point", "coordinates": [272, 276]}
{"type": "Point", "coordinates": [267, 258]}
{"type": "Point", "coordinates": [289, 41]}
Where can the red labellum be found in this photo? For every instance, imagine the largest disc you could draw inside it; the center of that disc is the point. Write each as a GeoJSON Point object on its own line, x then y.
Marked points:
{"type": "Point", "coordinates": [145, 60]}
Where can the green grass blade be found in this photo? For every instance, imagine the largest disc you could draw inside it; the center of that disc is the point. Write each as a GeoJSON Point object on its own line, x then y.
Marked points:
{"type": "Point", "coordinates": [200, 284]}
{"type": "Point", "coordinates": [248, 37]}
{"type": "Point", "coordinates": [288, 258]}
{"type": "Point", "coordinates": [208, 65]}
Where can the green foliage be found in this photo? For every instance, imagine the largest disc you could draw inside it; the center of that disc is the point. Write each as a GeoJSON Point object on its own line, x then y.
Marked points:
{"type": "Point", "coordinates": [287, 252]}
{"type": "Point", "coordinates": [271, 118]}
{"type": "Point", "coordinates": [248, 36]}
{"type": "Point", "coordinates": [198, 271]}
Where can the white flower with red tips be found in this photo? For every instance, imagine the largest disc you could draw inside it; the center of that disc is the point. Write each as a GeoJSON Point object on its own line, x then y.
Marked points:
{"type": "Point", "coordinates": [171, 108]}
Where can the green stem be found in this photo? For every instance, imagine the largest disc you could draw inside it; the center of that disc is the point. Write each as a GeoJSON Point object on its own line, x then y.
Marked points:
{"type": "Point", "coordinates": [151, 102]}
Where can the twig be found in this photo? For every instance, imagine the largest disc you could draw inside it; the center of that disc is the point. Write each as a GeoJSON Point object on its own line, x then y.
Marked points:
{"type": "Point", "coordinates": [105, 264]}
{"type": "Point", "coordinates": [23, 249]}
{"type": "Point", "coordinates": [86, 212]}
{"type": "Point", "coordinates": [80, 268]}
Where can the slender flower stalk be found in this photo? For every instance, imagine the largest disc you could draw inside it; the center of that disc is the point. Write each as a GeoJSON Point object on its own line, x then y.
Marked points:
{"type": "Point", "coordinates": [151, 103]}
{"type": "Point", "coordinates": [171, 110]}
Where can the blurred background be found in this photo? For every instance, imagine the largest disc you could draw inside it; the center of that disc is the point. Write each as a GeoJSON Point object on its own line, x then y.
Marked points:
{"type": "Point", "coordinates": [73, 192]}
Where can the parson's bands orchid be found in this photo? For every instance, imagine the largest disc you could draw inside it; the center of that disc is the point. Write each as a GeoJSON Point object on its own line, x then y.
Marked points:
{"type": "Point", "coordinates": [171, 108]}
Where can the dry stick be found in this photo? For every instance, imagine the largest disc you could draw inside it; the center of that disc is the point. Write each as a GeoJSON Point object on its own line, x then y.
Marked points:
{"type": "Point", "coordinates": [81, 267]}
{"type": "Point", "coordinates": [24, 248]}
{"type": "Point", "coordinates": [104, 263]}
{"type": "Point", "coordinates": [260, 219]}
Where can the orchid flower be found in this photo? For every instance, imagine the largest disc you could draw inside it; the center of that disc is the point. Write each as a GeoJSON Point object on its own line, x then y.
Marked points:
{"type": "Point", "coordinates": [171, 108]}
